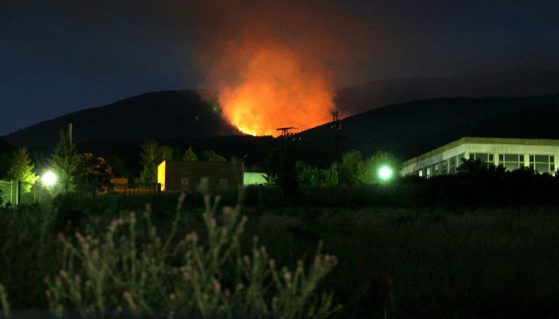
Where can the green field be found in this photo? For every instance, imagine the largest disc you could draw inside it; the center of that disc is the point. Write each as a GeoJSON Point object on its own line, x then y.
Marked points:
{"type": "Point", "coordinates": [392, 262]}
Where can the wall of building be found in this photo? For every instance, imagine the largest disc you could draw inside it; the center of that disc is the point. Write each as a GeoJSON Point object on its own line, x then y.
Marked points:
{"type": "Point", "coordinates": [542, 158]}
{"type": "Point", "coordinates": [455, 153]}
{"type": "Point", "coordinates": [254, 178]}
{"type": "Point", "coordinates": [186, 176]}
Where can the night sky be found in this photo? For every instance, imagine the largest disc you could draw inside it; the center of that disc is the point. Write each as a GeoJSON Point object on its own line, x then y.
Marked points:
{"type": "Point", "coordinates": [61, 56]}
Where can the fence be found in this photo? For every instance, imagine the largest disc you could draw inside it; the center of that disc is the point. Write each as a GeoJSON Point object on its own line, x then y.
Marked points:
{"type": "Point", "coordinates": [14, 193]}
{"type": "Point", "coordinates": [9, 193]}
{"type": "Point", "coordinates": [136, 188]}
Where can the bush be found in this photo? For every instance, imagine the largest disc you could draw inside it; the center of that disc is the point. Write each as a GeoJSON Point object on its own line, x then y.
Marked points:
{"type": "Point", "coordinates": [131, 269]}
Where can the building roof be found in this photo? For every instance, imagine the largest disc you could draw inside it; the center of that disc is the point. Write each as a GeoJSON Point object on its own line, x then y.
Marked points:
{"type": "Point", "coordinates": [482, 140]}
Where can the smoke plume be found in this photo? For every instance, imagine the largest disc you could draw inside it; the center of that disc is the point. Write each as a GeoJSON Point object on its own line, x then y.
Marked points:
{"type": "Point", "coordinates": [274, 63]}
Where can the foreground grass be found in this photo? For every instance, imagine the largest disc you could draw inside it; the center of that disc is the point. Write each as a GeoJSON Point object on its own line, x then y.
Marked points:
{"type": "Point", "coordinates": [432, 263]}
{"type": "Point", "coordinates": [398, 263]}
{"type": "Point", "coordinates": [133, 267]}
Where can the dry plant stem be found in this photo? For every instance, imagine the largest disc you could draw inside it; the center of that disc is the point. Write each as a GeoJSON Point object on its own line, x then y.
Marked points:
{"type": "Point", "coordinates": [5, 306]}
{"type": "Point", "coordinates": [128, 270]}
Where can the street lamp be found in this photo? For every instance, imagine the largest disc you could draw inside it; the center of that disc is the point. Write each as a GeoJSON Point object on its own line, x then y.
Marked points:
{"type": "Point", "coordinates": [49, 179]}
{"type": "Point", "coordinates": [385, 173]}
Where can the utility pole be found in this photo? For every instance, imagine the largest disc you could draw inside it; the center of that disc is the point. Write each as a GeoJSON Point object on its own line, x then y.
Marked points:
{"type": "Point", "coordinates": [287, 174]}
{"type": "Point", "coordinates": [70, 132]}
{"type": "Point", "coordinates": [336, 126]}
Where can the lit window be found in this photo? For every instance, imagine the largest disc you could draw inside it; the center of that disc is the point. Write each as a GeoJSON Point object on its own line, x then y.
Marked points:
{"type": "Point", "coordinates": [452, 165]}
{"type": "Point", "coordinates": [444, 167]}
{"type": "Point", "coordinates": [511, 162]}
{"type": "Point", "coordinates": [542, 163]}
{"type": "Point", "coordinates": [479, 156]}
{"type": "Point", "coordinates": [486, 158]}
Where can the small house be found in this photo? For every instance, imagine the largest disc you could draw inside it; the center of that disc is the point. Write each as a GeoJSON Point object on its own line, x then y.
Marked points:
{"type": "Point", "coordinates": [180, 176]}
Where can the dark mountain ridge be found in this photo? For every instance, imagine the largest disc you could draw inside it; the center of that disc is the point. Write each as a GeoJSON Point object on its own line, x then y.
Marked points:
{"type": "Point", "coordinates": [166, 114]}
{"type": "Point", "coordinates": [406, 129]}
{"type": "Point", "coordinates": [511, 83]}
{"type": "Point", "coordinates": [409, 129]}
{"type": "Point", "coordinates": [185, 114]}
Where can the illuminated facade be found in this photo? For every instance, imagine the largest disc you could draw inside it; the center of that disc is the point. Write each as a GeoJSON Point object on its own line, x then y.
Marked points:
{"type": "Point", "coordinates": [254, 178]}
{"type": "Point", "coordinates": [511, 153]}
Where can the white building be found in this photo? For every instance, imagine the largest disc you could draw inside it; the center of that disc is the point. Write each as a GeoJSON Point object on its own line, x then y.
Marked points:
{"type": "Point", "coordinates": [511, 153]}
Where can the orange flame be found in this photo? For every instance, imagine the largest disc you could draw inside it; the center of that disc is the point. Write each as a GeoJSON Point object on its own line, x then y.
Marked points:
{"type": "Point", "coordinates": [273, 91]}
{"type": "Point", "coordinates": [272, 62]}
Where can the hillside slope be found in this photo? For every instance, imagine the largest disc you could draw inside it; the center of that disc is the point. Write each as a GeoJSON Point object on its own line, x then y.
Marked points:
{"type": "Point", "coordinates": [409, 129]}
{"type": "Point", "coordinates": [167, 114]}
{"type": "Point", "coordinates": [183, 114]}
{"type": "Point", "coordinates": [512, 83]}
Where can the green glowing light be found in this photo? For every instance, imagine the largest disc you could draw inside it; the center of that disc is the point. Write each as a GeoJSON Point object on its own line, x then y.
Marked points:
{"type": "Point", "coordinates": [385, 173]}
{"type": "Point", "coordinates": [49, 178]}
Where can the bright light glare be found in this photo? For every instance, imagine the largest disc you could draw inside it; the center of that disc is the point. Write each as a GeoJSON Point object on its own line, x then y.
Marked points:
{"type": "Point", "coordinates": [385, 173]}
{"type": "Point", "coordinates": [49, 178]}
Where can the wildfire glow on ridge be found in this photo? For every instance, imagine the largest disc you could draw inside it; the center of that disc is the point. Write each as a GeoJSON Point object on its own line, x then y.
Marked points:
{"type": "Point", "coordinates": [275, 90]}
{"type": "Point", "coordinates": [273, 63]}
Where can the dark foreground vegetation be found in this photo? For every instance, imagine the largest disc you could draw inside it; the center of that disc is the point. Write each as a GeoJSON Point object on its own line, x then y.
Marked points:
{"type": "Point", "coordinates": [421, 250]}
{"type": "Point", "coordinates": [330, 242]}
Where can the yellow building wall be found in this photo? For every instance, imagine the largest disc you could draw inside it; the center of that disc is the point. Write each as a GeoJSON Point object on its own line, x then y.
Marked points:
{"type": "Point", "coordinates": [161, 169]}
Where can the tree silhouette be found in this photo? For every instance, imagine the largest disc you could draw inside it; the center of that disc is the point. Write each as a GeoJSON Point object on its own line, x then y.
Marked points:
{"type": "Point", "coordinates": [65, 162]}
{"type": "Point", "coordinates": [189, 155]}
{"type": "Point", "coordinates": [166, 153]}
{"type": "Point", "coordinates": [5, 158]}
{"type": "Point", "coordinates": [96, 173]}
{"type": "Point", "coordinates": [119, 165]}
{"type": "Point", "coordinates": [149, 159]}
{"type": "Point", "coordinates": [309, 175]}
{"type": "Point", "coordinates": [349, 168]}
{"type": "Point", "coordinates": [281, 170]}
{"type": "Point", "coordinates": [211, 156]}
{"type": "Point", "coordinates": [22, 169]}
{"type": "Point", "coordinates": [479, 170]}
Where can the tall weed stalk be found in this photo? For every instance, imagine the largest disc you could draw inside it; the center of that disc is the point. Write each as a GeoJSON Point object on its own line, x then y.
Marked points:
{"type": "Point", "coordinates": [4, 305]}
{"type": "Point", "coordinates": [132, 269]}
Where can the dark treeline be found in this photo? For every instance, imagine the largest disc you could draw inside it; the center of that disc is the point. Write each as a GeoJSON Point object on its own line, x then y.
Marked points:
{"type": "Point", "coordinates": [475, 184]}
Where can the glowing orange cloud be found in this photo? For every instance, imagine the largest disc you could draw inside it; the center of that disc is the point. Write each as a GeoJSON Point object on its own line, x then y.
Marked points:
{"type": "Point", "coordinates": [274, 90]}
{"type": "Point", "coordinates": [272, 62]}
